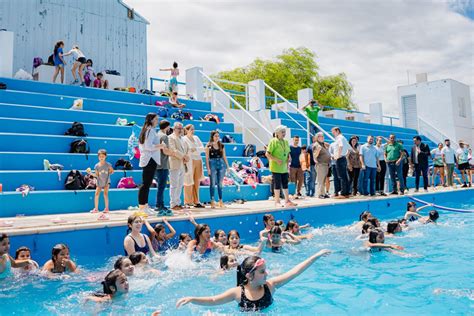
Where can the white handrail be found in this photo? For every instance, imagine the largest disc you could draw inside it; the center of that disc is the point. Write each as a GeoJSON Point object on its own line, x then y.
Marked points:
{"type": "Point", "coordinates": [299, 111]}
{"type": "Point", "coordinates": [236, 103]}
{"type": "Point", "coordinates": [432, 132]}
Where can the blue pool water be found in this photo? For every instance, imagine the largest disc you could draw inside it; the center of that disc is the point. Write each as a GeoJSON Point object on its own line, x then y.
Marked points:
{"type": "Point", "coordinates": [435, 279]}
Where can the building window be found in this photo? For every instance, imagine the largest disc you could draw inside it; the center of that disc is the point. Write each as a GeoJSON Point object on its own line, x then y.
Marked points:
{"type": "Point", "coordinates": [130, 14]}
{"type": "Point", "coordinates": [462, 107]}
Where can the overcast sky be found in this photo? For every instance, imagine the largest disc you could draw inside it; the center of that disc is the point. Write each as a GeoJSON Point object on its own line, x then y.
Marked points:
{"type": "Point", "coordinates": [374, 42]}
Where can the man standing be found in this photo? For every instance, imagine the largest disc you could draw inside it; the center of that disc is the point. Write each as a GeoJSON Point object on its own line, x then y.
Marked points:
{"type": "Point", "coordinates": [296, 172]}
{"type": "Point", "coordinates": [341, 150]}
{"type": "Point", "coordinates": [420, 153]}
{"type": "Point", "coordinates": [449, 159]}
{"type": "Point", "coordinates": [312, 112]}
{"type": "Point", "coordinates": [462, 155]}
{"type": "Point", "coordinates": [162, 169]}
{"type": "Point", "coordinates": [393, 156]}
{"type": "Point", "coordinates": [336, 181]}
{"type": "Point", "coordinates": [369, 159]}
{"type": "Point", "coordinates": [177, 159]}
{"type": "Point", "coordinates": [323, 160]}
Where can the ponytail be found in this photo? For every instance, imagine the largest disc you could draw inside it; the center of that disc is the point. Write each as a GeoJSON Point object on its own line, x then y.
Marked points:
{"type": "Point", "coordinates": [247, 266]}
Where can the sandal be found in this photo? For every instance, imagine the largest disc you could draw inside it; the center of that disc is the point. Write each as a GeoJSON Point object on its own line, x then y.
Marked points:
{"type": "Point", "coordinates": [106, 210]}
{"type": "Point", "coordinates": [168, 212]}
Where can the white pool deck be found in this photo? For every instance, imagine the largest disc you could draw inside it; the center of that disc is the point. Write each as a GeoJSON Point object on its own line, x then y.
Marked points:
{"type": "Point", "coordinates": [41, 224]}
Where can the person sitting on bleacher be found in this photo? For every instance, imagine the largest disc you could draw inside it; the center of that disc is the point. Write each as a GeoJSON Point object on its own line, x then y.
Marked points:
{"type": "Point", "coordinates": [175, 102]}
{"type": "Point", "coordinates": [99, 82]}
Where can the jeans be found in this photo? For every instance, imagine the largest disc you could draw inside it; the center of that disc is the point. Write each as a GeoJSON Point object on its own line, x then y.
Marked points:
{"type": "Point", "coordinates": [313, 129]}
{"type": "Point", "coordinates": [341, 166]}
{"type": "Point", "coordinates": [147, 179]}
{"type": "Point", "coordinates": [396, 172]}
{"type": "Point", "coordinates": [161, 179]}
{"type": "Point", "coordinates": [307, 175]}
{"type": "Point", "coordinates": [217, 166]}
{"type": "Point", "coordinates": [367, 175]}
{"type": "Point", "coordinates": [312, 181]}
{"type": "Point", "coordinates": [337, 182]}
{"type": "Point", "coordinates": [419, 169]}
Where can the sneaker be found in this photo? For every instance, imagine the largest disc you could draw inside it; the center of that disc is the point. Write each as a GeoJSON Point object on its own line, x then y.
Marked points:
{"type": "Point", "coordinates": [94, 211]}
{"type": "Point", "coordinates": [321, 197]}
{"type": "Point", "coordinates": [74, 81]}
{"type": "Point", "coordinates": [383, 194]}
{"type": "Point", "coordinates": [426, 190]}
{"type": "Point", "coordinates": [176, 208]}
{"type": "Point", "coordinates": [149, 211]}
{"type": "Point", "coordinates": [82, 84]}
{"type": "Point", "coordinates": [394, 193]}
{"type": "Point", "coordinates": [103, 217]}
{"type": "Point", "coordinates": [326, 196]}
{"type": "Point", "coordinates": [416, 190]}
{"type": "Point", "coordinates": [106, 210]}
{"type": "Point", "coordinates": [373, 194]}
{"type": "Point", "coordinates": [464, 186]}
{"type": "Point", "coordinates": [199, 205]}
{"type": "Point", "coordinates": [402, 193]}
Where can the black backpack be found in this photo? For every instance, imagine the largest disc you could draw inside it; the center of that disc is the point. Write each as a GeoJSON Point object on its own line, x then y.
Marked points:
{"type": "Point", "coordinates": [228, 139]}
{"type": "Point", "coordinates": [50, 60]}
{"type": "Point", "coordinates": [77, 129]}
{"type": "Point", "coordinates": [261, 154]}
{"type": "Point", "coordinates": [249, 150]}
{"type": "Point", "coordinates": [3, 86]}
{"type": "Point", "coordinates": [74, 181]}
{"type": "Point", "coordinates": [123, 164]}
{"type": "Point", "coordinates": [80, 146]}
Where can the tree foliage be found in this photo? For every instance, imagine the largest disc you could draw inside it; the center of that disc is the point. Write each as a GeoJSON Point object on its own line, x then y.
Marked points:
{"type": "Point", "coordinates": [289, 72]}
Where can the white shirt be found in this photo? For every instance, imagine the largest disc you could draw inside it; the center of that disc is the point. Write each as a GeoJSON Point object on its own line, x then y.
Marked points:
{"type": "Point", "coordinates": [148, 150]}
{"type": "Point", "coordinates": [448, 153]}
{"type": "Point", "coordinates": [381, 151]}
{"type": "Point", "coordinates": [332, 152]}
{"type": "Point", "coordinates": [341, 141]}
{"type": "Point", "coordinates": [197, 144]}
{"type": "Point", "coordinates": [76, 53]}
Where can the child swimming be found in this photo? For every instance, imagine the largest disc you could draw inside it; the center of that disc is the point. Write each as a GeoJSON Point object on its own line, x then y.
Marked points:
{"type": "Point", "coordinates": [6, 261]}
{"type": "Point", "coordinates": [234, 247]}
{"type": "Point", "coordinates": [24, 253]}
{"type": "Point", "coordinates": [141, 263]}
{"type": "Point", "coordinates": [228, 262]}
{"type": "Point", "coordinates": [275, 241]}
{"type": "Point", "coordinates": [184, 239]}
{"type": "Point", "coordinates": [60, 261]}
{"type": "Point", "coordinates": [376, 243]}
{"type": "Point", "coordinates": [158, 236]}
{"type": "Point", "coordinates": [413, 214]}
{"type": "Point", "coordinates": [202, 243]}
{"type": "Point", "coordinates": [253, 291]}
{"type": "Point", "coordinates": [125, 265]}
{"type": "Point", "coordinates": [293, 231]}
{"type": "Point", "coordinates": [114, 284]}
{"type": "Point", "coordinates": [269, 222]}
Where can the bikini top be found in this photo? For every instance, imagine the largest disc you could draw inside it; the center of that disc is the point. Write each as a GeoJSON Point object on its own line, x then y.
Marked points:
{"type": "Point", "coordinates": [160, 247]}
{"type": "Point", "coordinates": [208, 248]}
{"type": "Point", "coordinates": [247, 305]}
{"type": "Point", "coordinates": [145, 249]}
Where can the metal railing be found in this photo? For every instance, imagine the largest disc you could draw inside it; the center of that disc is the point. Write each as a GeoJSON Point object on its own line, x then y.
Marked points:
{"type": "Point", "coordinates": [278, 95]}
{"type": "Point", "coordinates": [434, 134]}
{"type": "Point", "coordinates": [237, 104]}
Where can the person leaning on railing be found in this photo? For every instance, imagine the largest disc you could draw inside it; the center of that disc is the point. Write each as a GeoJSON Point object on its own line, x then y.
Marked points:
{"type": "Point", "coordinates": [312, 111]}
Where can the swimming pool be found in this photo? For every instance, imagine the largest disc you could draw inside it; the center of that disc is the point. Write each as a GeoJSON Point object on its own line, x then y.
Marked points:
{"type": "Point", "coordinates": [435, 280]}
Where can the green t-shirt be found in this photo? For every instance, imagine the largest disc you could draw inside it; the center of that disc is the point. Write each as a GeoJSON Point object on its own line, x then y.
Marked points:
{"type": "Point", "coordinates": [280, 150]}
{"type": "Point", "coordinates": [393, 151]}
{"type": "Point", "coordinates": [312, 112]}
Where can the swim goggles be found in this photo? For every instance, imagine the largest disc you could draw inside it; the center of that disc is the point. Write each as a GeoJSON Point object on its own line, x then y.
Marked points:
{"type": "Point", "coordinates": [260, 262]}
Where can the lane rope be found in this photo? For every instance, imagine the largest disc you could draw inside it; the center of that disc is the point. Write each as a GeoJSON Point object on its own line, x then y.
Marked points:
{"type": "Point", "coordinates": [450, 209]}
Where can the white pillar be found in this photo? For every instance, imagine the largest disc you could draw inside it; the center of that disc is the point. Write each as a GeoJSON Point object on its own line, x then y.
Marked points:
{"type": "Point", "coordinates": [194, 83]}
{"type": "Point", "coordinates": [304, 96]}
{"type": "Point", "coordinates": [376, 113]}
{"type": "Point", "coordinates": [6, 54]}
{"type": "Point", "coordinates": [256, 95]}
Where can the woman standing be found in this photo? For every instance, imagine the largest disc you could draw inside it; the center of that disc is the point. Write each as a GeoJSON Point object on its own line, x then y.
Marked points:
{"type": "Point", "coordinates": [380, 176]}
{"type": "Point", "coordinates": [149, 145]}
{"type": "Point", "coordinates": [438, 166]}
{"type": "Point", "coordinates": [58, 61]}
{"type": "Point", "coordinates": [278, 151]}
{"type": "Point", "coordinates": [353, 163]}
{"type": "Point", "coordinates": [194, 173]}
{"type": "Point", "coordinates": [216, 163]}
{"type": "Point", "coordinates": [79, 64]}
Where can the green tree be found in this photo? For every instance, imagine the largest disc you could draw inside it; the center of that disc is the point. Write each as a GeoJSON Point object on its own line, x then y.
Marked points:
{"type": "Point", "coordinates": [289, 72]}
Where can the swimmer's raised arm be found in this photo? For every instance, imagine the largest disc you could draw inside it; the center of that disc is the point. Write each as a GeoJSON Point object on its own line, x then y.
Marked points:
{"type": "Point", "coordinates": [281, 280]}
{"type": "Point", "coordinates": [409, 214]}
{"type": "Point", "coordinates": [230, 295]}
{"type": "Point", "coordinates": [381, 245]}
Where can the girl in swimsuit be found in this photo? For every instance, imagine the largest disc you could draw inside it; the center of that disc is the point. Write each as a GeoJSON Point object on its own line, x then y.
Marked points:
{"type": "Point", "coordinates": [6, 261]}
{"type": "Point", "coordinates": [234, 247]}
{"type": "Point", "coordinates": [158, 236]}
{"type": "Point", "coordinates": [135, 240]}
{"type": "Point", "coordinates": [184, 239]}
{"type": "Point", "coordinates": [228, 262]}
{"type": "Point", "coordinates": [115, 284]}
{"type": "Point", "coordinates": [202, 243]}
{"type": "Point", "coordinates": [269, 222]}
{"type": "Point", "coordinates": [253, 291]}
{"type": "Point", "coordinates": [125, 265]}
{"type": "Point", "coordinates": [293, 231]}
{"type": "Point", "coordinates": [24, 253]}
{"type": "Point", "coordinates": [413, 213]}
{"type": "Point", "coordinates": [220, 236]}
{"type": "Point", "coordinates": [60, 262]}
{"type": "Point", "coordinates": [376, 243]}
{"type": "Point", "coordinates": [174, 77]}
{"type": "Point", "coordinates": [275, 241]}
{"type": "Point", "coordinates": [141, 263]}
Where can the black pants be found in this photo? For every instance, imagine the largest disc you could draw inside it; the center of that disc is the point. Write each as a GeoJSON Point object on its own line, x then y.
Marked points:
{"type": "Point", "coordinates": [380, 177]}
{"type": "Point", "coordinates": [272, 189]}
{"type": "Point", "coordinates": [281, 180]}
{"type": "Point", "coordinates": [354, 178]}
{"type": "Point", "coordinates": [147, 179]}
{"type": "Point", "coordinates": [421, 169]}
{"type": "Point", "coordinates": [341, 166]}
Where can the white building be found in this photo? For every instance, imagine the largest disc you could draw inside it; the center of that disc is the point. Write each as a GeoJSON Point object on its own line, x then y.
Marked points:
{"type": "Point", "coordinates": [437, 109]}
{"type": "Point", "coordinates": [109, 32]}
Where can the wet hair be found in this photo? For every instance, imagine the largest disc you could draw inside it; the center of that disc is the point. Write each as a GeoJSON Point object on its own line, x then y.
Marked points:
{"type": "Point", "coordinates": [367, 227]}
{"type": "Point", "coordinates": [3, 236]}
{"type": "Point", "coordinates": [267, 217]}
{"type": "Point", "coordinates": [224, 262]}
{"type": "Point", "coordinates": [90, 61]}
{"type": "Point", "coordinates": [245, 267]}
{"type": "Point", "coordinates": [146, 126]}
{"type": "Point", "coordinates": [233, 231]}
{"type": "Point", "coordinates": [291, 224]}
{"type": "Point", "coordinates": [276, 230]}
{"type": "Point", "coordinates": [102, 152]}
{"type": "Point", "coordinates": [198, 231]}
{"type": "Point", "coordinates": [56, 47]}
{"type": "Point", "coordinates": [279, 223]}
{"type": "Point", "coordinates": [410, 204]}
{"type": "Point", "coordinates": [217, 233]}
{"type": "Point", "coordinates": [56, 250]}
{"type": "Point", "coordinates": [434, 215]}
{"type": "Point", "coordinates": [110, 280]}
{"type": "Point", "coordinates": [392, 226]}
{"type": "Point", "coordinates": [17, 252]}
{"type": "Point", "coordinates": [119, 262]}
{"type": "Point", "coordinates": [136, 257]}
{"type": "Point", "coordinates": [158, 229]}
{"type": "Point", "coordinates": [130, 221]}
{"type": "Point", "coordinates": [183, 236]}
{"type": "Point", "coordinates": [364, 214]}
{"type": "Point", "coordinates": [373, 234]}
{"type": "Point", "coordinates": [374, 221]}
{"type": "Point", "coordinates": [164, 124]}
{"type": "Point", "coordinates": [211, 140]}
{"type": "Point", "coordinates": [175, 65]}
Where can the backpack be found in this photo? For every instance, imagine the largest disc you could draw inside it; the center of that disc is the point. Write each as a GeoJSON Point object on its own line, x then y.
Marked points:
{"type": "Point", "coordinates": [187, 115]}
{"type": "Point", "coordinates": [37, 61]}
{"type": "Point", "coordinates": [146, 91]}
{"type": "Point", "coordinates": [261, 154]}
{"type": "Point", "coordinates": [212, 118]}
{"type": "Point", "coordinates": [112, 72]}
{"type": "Point", "coordinates": [50, 60]}
{"type": "Point", "coordinates": [77, 129]}
{"type": "Point", "coordinates": [3, 86]}
{"type": "Point", "coordinates": [74, 181]}
{"type": "Point", "coordinates": [162, 111]}
{"type": "Point", "coordinates": [126, 183]}
{"type": "Point", "coordinates": [123, 164]}
{"type": "Point", "coordinates": [249, 150]}
{"type": "Point", "coordinates": [178, 116]}
{"type": "Point", "coordinates": [90, 182]}
{"type": "Point", "coordinates": [256, 162]}
{"type": "Point", "coordinates": [228, 139]}
{"type": "Point", "coordinates": [80, 146]}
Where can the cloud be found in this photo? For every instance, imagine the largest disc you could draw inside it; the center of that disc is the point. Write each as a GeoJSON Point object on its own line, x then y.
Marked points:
{"type": "Point", "coordinates": [374, 42]}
